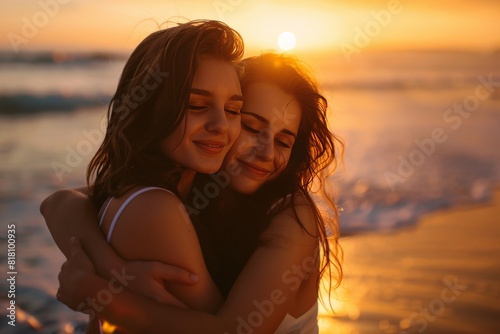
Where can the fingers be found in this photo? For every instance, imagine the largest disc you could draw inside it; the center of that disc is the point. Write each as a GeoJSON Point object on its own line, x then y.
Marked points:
{"type": "Point", "coordinates": [176, 274]}
{"type": "Point", "coordinates": [165, 297]}
{"type": "Point", "coordinates": [60, 276]}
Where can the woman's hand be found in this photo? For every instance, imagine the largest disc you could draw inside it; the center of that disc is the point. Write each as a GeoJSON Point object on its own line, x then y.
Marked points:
{"type": "Point", "coordinates": [73, 274]}
{"type": "Point", "coordinates": [150, 277]}
{"type": "Point", "coordinates": [147, 278]}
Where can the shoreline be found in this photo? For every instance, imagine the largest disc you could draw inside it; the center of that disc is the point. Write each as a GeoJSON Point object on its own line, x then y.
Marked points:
{"type": "Point", "coordinates": [439, 276]}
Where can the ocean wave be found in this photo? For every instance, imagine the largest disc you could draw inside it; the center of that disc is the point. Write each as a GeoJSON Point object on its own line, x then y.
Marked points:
{"type": "Point", "coordinates": [25, 104]}
{"type": "Point", "coordinates": [454, 179]}
{"type": "Point", "coordinates": [58, 57]}
{"type": "Point", "coordinates": [385, 211]}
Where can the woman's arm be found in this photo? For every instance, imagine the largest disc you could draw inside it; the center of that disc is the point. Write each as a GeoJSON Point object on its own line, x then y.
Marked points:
{"type": "Point", "coordinates": [71, 213]}
{"type": "Point", "coordinates": [266, 289]}
{"type": "Point", "coordinates": [259, 300]}
{"type": "Point", "coordinates": [155, 226]}
{"type": "Point", "coordinates": [82, 290]}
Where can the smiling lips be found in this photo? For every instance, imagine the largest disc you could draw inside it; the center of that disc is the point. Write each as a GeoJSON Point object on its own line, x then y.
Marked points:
{"type": "Point", "coordinates": [254, 169]}
{"type": "Point", "coordinates": [211, 146]}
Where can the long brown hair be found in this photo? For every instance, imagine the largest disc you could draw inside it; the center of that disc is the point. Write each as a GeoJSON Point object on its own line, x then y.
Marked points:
{"type": "Point", "coordinates": [150, 102]}
{"type": "Point", "coordinates": [313, 158]}
{"type": "Point", "coordinates": [230, 227]}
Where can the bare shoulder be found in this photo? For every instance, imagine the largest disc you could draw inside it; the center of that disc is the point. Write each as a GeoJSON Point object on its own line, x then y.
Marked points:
{"type": "Point", "coordinates": [155, 226]}
{"type": "Point", "coordinates": [154, 205]}
{"type": "Point", "coordinates": [297, 222]}
{"type": "Point", "coordinates": [154, 222]}
{"type": "Point", "coordinates": [155, 195]}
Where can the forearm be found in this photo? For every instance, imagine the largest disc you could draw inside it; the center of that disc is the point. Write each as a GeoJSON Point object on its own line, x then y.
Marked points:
{"type": "Point", "coordinates": [137, 314]}
{"type": "Point", "coordinates": [71, 213]}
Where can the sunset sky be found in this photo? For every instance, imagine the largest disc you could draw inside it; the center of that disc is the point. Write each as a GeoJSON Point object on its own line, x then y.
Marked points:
{"type": "Point", "coordinates": [319, 25]}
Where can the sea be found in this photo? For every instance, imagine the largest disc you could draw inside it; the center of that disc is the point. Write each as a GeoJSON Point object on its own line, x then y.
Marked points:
{"type": "Point", "coordinates": [421, 132]}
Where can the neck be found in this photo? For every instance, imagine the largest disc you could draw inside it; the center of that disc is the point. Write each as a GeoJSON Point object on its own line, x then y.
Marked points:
{"type": "Point", "coordinates": [231, 198]}
{"type": "Point", "coordinates": [185, 183]}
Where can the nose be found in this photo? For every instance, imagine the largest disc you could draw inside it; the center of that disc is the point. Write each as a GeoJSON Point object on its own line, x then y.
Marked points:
{"type": "Point", "coordinates": [265, 146]}
{"type": "Point", "coordinates": [217, 121]}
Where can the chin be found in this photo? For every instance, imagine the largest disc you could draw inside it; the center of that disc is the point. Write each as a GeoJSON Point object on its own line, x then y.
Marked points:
{"type": "Point", "coordinates": [205, 170]}
{"type": "Point", "coordinates": [208, 168]}
{"type": "Point", "coordinates": [245, 189]}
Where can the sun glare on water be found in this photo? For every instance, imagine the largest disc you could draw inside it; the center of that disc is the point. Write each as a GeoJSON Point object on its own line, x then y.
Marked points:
{"type": "Point", "coordinates": [286, 41]}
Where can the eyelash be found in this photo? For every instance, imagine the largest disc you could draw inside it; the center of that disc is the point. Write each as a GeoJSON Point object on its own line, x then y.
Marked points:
{"type": "Point", "coordinates": [283, 144]}
{"type": "Point", "coordinates": [200, 108]}
{"type": "Point", "coordinates": [249, 129]}
{"type": "Point", "coordinates": [233, 112]}
{"type": "Point", "coordinates": [197, 108]}
{"type": "Point", "coordinates": [254, 131]}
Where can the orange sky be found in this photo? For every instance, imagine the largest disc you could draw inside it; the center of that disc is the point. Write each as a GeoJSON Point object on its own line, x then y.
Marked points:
{"type": "Point", "coordinates": [318, 24]}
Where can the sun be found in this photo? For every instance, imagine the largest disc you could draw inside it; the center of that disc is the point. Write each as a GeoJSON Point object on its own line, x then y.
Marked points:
{"type": "Point", "coordinates": [286, 41]}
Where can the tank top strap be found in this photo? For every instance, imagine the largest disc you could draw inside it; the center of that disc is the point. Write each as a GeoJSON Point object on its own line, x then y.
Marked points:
{"type": "Point", "coordinates": [278, 202]}
{"type": "Point", "coordinates": [124, 205]}
{"type": "Point", "coordinates": [102, 212]}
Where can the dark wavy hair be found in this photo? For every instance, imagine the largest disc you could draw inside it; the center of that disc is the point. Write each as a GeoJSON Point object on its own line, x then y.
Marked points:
{"type": "Point", "coordinates": [236, 228]}
{"type": "Point", "coordinates": [313, 158]}
{"type": "Point", "coordinates": [314, 155]}
{"type": "Point", "coordinates": [149, 104]}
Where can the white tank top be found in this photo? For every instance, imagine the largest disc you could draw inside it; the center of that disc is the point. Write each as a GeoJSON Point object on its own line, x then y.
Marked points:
{"type": "Point", "coordinates": [307, 323]}
{"type": "Point", "coordinates": [124, 205]}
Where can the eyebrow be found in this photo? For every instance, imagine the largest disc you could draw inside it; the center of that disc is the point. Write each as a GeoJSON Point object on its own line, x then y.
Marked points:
{"type": "Point", "coordinates": [266, 121]}
{"type": "Point", "coordinates": [204, 92]}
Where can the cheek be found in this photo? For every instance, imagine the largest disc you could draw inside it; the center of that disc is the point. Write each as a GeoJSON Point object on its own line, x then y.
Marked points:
{"type": "Point", "coordinates": [234, 130]}
{"type": "Point", "coordinates": [243, 144]}
{"type": "Point", "coordinates": [281, 160]}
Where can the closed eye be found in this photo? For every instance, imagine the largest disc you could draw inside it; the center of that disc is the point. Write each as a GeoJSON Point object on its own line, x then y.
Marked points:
{"type": "Point", "coordinates": [233, 112]}
{"type": "Point", "coordinates": [280, 143]}
{"type": "Point", "coordinates": [197, 108]}
{"type": "Point", "coordinates": [249, 129]}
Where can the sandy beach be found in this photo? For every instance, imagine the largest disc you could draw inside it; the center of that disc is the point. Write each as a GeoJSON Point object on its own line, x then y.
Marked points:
{"type": "Point", "coordinates": [441, 276]}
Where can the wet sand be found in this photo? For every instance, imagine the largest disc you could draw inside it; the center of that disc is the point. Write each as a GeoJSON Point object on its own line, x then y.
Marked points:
{"type": "Point", "coordinates": [441, 276]}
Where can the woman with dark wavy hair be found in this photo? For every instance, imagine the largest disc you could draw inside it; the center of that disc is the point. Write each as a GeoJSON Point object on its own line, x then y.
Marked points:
{"type": "Point", "coordinates": [156, 129]}
{"type": "Point", "coordinates": [260, 234]}
{"type": "Point", "coordinates": [175, 113]}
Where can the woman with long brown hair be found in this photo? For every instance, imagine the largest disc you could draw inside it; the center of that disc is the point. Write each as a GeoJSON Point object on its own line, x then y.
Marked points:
{"type": "Point", "coordinates": [176, 112]}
